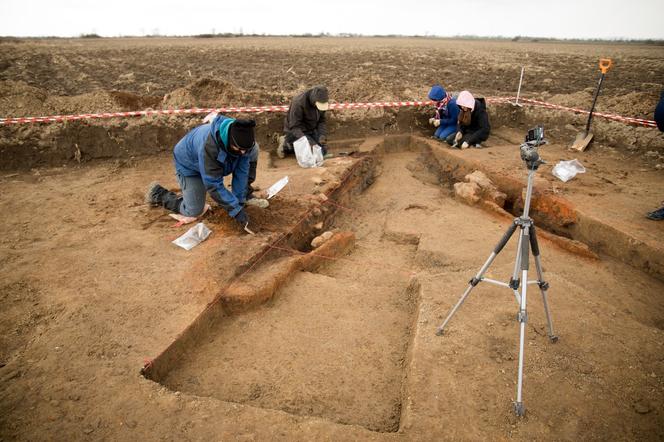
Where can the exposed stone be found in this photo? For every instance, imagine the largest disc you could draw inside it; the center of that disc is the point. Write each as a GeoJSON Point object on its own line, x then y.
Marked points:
{"type": "Point", "coordinates": [497, 197]}
{"type": "Point", "coordinates": [468, 192]}
{"type": "Point", "coordinates": [482, 180]}
{"type": "Point", "coordinates": [320, 239]}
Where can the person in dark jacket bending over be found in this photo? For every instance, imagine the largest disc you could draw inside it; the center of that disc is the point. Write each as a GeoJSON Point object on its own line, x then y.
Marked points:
{"type": "Point", "coordinates": [473, 127]}
{"type": "Point", "coordinates": [447, 112]}
{"type": "Point", "coordinates": [305, 118]}
{"type": "Point", "coordinates": [203, 157]}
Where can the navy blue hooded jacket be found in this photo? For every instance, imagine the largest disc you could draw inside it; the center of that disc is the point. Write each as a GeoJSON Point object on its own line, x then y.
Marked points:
{"type": "Point", "coordinates": [203, 152]}
{"type": "Point", "coordinates": [659, 113]}
{"type": "Point", "coordinates": [447, 113]}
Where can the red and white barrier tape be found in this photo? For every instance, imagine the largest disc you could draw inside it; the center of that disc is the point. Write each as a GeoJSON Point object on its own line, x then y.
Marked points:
{"type": "Point", "coordinates": [628, 120]}
{"type": "Point", "coordinates": [284, 108]}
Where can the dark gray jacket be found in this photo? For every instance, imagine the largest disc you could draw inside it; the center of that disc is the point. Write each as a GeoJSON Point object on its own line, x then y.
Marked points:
{"type": "Point", "coordinates": [479, 128]}
{"type": "Point", "coordinates": [304, 119]}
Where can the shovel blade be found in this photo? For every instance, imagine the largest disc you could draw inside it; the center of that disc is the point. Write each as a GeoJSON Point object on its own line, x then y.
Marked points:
{"type": "Point", "coordinates": [582, 141]}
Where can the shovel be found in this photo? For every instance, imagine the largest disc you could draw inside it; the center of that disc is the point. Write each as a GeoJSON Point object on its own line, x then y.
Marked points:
{"type": "Point", "coordinates": [584, 138]}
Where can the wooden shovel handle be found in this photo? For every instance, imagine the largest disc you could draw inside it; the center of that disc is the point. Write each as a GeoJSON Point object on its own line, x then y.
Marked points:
{"type": "Point", "coordinates": [605, 64]}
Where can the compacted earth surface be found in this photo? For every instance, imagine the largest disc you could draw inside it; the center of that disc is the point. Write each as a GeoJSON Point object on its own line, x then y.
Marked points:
{"type": "Point", "coordinates": [92, 289]}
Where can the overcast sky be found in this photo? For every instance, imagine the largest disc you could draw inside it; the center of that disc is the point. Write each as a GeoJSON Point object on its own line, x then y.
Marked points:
{"type": "Point", "coordinates": [637, 19]}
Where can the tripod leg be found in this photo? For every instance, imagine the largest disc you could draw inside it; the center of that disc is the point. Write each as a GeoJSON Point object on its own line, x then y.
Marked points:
{"type": "Point", "coordinates": [477, 278]}
{"type": "Point", "coordinates": [514, 281]}
{"type": "Point", "coordinates": [543, 285]}
{"type": "Point", "coordinates": [522, 317]}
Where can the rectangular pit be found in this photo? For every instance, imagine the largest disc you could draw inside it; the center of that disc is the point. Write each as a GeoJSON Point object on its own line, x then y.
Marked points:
{"type": "Point", "coordinates": [332, 344]}
{"type": "Point", "coordinates": [323, 347]}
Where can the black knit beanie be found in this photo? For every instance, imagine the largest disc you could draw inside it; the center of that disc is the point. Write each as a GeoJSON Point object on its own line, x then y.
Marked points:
{"type": "Point", "coordinates": [241, 134]}
{"type": "Point", "coordinates": [319, 93]}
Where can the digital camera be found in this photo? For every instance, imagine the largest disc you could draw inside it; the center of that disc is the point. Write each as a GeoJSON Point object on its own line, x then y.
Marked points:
{"type": "Point", "coordinates": [535, 135]}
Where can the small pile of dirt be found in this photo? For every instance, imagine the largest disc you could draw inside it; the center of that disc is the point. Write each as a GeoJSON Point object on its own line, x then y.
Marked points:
{"type": "Point", "coordinates": [632, 104]}
{"type": "Point", "coordinates": [275, 218]}
{"type": "Point", "coordinates": [208, 92]}
{"type": "Point", "coordinates": [359, 89]}
{"type": "Point", "coordinates": [18, 99]}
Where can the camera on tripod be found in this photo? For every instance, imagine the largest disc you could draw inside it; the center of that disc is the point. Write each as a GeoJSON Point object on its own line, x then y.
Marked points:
{"type": "Point", "coordinates": [529, 148]}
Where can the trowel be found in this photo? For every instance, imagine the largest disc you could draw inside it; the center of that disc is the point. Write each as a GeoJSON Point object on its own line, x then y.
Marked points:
{"type": "Point", "coordinates": [584, 138]}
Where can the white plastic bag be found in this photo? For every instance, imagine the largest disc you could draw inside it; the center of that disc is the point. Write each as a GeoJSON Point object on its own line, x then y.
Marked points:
{"type": "Point", "coordinates": [193, 237]}
{"type": "Point", "coordinates": [307, 155]}
{"type": "Point", "coordinates": [566, 170]}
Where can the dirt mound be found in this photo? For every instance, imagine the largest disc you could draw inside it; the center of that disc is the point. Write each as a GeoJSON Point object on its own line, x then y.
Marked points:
{"type": "Point", "coordinates": [20, 99]}
{"type": "Point", "coordinates": [209, 92]}
{"type": "Point", "coordinates": [632, 104]}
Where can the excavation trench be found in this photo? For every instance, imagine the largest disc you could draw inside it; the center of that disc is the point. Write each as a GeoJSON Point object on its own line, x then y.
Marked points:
{"type": "Point", "coordinates": [321, 332]}
{"type": "Point", "coordinates": [329, 332]}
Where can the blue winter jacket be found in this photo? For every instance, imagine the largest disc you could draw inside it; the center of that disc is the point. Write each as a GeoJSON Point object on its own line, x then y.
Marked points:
{"type": "Point", "coordinates": [448, 114]}
{"type": "Point", "coordinates": [203, 152]}
{"type": "Point", "coordinates": [659, 113]}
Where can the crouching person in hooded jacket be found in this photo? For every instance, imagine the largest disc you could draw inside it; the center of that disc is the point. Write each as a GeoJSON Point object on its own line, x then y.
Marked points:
{"type": "Point", "coordinates": [305, 118]}
{"type": "Point", "coordinates": [203, 157]}
{"type": "Point", "coordinates": [447, 112]}
{"type": "Point", "coordinates": [473, 124]}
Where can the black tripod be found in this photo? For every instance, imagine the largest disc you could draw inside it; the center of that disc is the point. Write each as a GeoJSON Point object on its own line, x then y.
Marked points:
{"type": "Point", "coordinates": [527, 242]}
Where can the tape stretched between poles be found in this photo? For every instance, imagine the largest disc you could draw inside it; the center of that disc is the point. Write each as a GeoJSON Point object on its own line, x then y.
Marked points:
{"type": "Point", "coordinates": [283, 108]}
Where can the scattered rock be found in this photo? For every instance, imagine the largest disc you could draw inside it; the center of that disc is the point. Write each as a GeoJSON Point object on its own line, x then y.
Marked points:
{"type": "Point", "coordinates": [320, 239]}
{"type": "Point", "coordinates": [468, 192]}
{"type": "Point", "coordinates": [479, 187]}
{"type": "Point", "coordinates": [318, 226]}
{"type": "Point", "coordinates": [481, 179]}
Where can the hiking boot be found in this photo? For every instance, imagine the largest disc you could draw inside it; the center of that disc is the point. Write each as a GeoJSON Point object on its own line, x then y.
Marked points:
{"type": "Point", "coordinates": [280, 147]}
{"type": "Point", "coordinates": [155, 194]}
{"type": "Point", "coordinates": [656, 215]}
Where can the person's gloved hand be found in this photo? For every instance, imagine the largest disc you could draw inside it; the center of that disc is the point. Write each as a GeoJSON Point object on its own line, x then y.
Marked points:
{"type": "Point", "coordinates": [458, 137]}
{"type": "Point", "coordinates": [436, 123]}
{"type": "Point", "coordinates": [431, 120]}
{"type": "Point", "coordinates": [464, 145]}
{"type": "Point", "coordinates": [242, 218]}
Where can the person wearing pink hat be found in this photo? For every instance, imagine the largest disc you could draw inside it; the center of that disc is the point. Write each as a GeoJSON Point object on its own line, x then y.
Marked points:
{"type": "Point", "coordinates": [473, 124]}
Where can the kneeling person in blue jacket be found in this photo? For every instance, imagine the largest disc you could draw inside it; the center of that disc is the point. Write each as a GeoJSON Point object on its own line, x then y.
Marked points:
{"type": "Point", "coordinates": [203, 157]}
{"type": "Point", "coordinates": [447, 112]}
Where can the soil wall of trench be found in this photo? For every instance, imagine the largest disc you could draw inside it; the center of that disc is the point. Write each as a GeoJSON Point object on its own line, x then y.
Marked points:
{"type": "Point", "coordinates": [23, 147]}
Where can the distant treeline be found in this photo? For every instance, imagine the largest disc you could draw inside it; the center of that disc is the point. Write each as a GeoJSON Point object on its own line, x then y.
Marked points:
{"type": "Point", "coordinates": [456, 37]}
{"type": "Point", "coordinates": [517, 38]}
